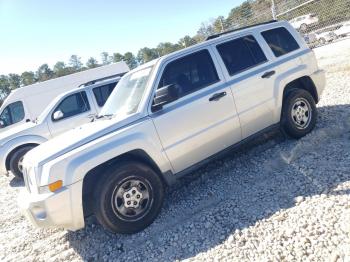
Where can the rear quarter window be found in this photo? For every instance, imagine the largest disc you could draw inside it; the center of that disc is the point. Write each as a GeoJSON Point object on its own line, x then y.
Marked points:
{"type": "Point", "coordinates": [280, 41]}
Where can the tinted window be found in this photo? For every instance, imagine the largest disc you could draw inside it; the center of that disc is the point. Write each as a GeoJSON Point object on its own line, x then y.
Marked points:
{"type": "Point", "coordinates": [73, 105]}
{"type": "Point", "coordinates": [12, 114]}
{"type": "Point", "coordinates": [102, 93]}
{"type": "Point", "coordinates": [241, 54]}
{"type": "Point", "coordinates": [17, 111]}
{"type": "Point", "coordinates": [280, 41]}
{"type": "Point", "coordinates": [190, 73]}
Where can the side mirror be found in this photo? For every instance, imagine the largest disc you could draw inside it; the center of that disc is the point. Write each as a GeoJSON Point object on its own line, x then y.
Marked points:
{"type": "Point", "coordinates": [2, 124]}
{"type": "Point", "coordinates": [165, 95]}
{"type": "Point", "coordinates": [57, 115]}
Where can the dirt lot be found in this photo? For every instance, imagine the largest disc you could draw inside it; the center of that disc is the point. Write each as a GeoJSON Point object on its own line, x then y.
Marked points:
{"type": "Point", "coordinates": [275, 200]}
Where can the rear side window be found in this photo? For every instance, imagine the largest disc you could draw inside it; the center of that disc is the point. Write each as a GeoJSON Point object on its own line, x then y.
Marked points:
{"type": "Point", "coordinates": [241, 54]}
{"type": "Point", "coordinates": [190, 73]}
{"type": "Point", "coordinates": [12, 114]}
{"type": "Point", "coordinates": [73, 105]}
{"type": "Point", "coordinates": [103, 92]}
{"type": "Point", "coordinates": [280, 41]}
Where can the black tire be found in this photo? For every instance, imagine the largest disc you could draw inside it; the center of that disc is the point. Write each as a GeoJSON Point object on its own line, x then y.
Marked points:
{"type": "Point", "coordinates": [15, 160]}
{"type": "Point", "coordinates": [107, 205]}
{"type": "Point", "coordinates": [289, 122]}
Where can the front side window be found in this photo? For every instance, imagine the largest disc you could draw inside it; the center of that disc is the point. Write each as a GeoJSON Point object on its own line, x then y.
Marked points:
{"type": "Point", "coordinates": [102, 93]}
{"type": "Point", "coordinates": [12, 114]}
{"type": "Point", "coordinates": [73, 105]}
{"type": "Point", "coordinates": [190, 73]}
{"type": "Point", "coordinates": [241, 54]}
{"type": "Point", "coordinates": [280, 41]}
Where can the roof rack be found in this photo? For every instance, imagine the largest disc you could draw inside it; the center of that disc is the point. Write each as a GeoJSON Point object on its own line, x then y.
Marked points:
{"type": "Point", "coordinates": [238, 29]}
{"type": "Point", "coordinates": [101, 79]}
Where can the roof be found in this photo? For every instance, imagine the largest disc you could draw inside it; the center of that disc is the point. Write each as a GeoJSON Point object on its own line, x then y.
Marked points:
{"type": "Point", "coordinates": [74, 80]}
{"type": "Point", "coordinates": [228, 34]}
{"type": "Point", "coordinates": [210, 40]}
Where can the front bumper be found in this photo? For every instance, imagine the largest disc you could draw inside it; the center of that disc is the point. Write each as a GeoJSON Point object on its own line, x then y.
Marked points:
{"type": "Point", "coordinates": [57, 209]}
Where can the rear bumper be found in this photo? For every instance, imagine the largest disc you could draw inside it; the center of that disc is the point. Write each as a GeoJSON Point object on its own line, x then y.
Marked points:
{"type": "Point", "coordinates": [52, 209]}
{"type": "Point", "coordinates": [319, 79]}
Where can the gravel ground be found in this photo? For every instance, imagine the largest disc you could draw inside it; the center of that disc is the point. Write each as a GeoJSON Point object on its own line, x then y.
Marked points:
{"type": "Point", "coordinates": [275, 200]}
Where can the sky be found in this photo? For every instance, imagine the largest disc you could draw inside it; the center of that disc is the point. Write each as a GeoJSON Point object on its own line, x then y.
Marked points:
{"type": "Point", "coordinates": [34, 32]}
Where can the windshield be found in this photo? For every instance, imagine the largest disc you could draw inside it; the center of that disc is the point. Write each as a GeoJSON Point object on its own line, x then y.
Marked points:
{"type": "Point", "coordinates": [46, 111]}
{"type": "Point", "coordinates": [127, 95]}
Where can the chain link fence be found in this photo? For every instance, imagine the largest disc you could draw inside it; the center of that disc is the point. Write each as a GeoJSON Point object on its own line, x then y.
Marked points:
{"type": "Point", "coordinates": [319, 21]}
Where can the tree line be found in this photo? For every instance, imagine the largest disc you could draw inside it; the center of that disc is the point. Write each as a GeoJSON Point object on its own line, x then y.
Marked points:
{"type": "Point", "coordinates": [249, 12]}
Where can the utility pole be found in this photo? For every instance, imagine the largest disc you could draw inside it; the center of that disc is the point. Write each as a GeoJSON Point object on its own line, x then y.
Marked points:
{"type": "Point", "coordinates": [273, 10]}
{"type": "Point", "coordinates": [222, 25]}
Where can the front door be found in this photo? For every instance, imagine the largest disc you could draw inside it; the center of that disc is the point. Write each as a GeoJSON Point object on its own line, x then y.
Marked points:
{"type": "Point", "coordinates": [75, 111]}
{"type": "Point", "coordinates": [204, 120]}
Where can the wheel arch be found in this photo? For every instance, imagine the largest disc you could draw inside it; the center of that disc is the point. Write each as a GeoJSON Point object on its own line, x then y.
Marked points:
{"type": "Point", "coordinates": [303, 82]}
{"type": "Point", "coordinates": [92, 176]}
{"type": "Point", "coordinates": [14, 148]}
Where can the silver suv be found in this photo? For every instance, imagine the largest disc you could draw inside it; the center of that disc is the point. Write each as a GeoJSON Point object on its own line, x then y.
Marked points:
{"type": "Point", "coordinates": [166, 118]}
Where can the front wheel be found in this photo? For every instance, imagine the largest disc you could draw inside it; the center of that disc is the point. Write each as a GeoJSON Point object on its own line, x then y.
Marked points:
{"type": "Point", "coordinates": [299, 113]}
{"type": "Point", "coordinates": [128, 197]}
{"type": "Point", "coordinates": [16, 161]}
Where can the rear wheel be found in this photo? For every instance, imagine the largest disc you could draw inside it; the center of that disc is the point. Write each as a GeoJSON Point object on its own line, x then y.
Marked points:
{"type": "Point", "coordinates": [128, 197]}
{"type": "Point", "coordinates": [299, 113]}
{"type": "Point", "coordinates": [16, 161]}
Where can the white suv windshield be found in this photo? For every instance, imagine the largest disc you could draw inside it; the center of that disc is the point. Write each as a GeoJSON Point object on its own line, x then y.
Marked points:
{"type": "Point", "coordinates": [127, 95]}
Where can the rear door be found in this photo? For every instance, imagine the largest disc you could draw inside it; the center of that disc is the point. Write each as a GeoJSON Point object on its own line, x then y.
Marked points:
{"type": "Point", "coordinates": [76, 109]}
{"type": "Point", "coordinates": [251, 80]}
{"type": "Point", "coordinates": [204, 120]}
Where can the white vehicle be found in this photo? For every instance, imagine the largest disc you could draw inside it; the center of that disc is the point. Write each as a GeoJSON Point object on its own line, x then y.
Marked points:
{"type": "Point", "coordinates": [302, 23]}
{"type": "Point", "coordinates": [26, 103]}
{"type": "Point", "coordinates": [168, 117]}
{"type": "Point", "coordinates": [325, 37]}
{"type": "Point", "coordinates": [69, 110]}
{"type": "Point", "coordinates": [311, 39]}
{"type": "Point", "coordinates": [344, 30]}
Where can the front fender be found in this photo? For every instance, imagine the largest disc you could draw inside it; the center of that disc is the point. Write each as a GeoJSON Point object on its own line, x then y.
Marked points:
{"type": "Point", "coordinates": [14, 143]}
{"type": "Point", "coordinates": [73, 166]}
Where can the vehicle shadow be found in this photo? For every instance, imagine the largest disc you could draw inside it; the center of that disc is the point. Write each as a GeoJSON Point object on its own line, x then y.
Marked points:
{"type": "Point", "coordinates": [233, 193]}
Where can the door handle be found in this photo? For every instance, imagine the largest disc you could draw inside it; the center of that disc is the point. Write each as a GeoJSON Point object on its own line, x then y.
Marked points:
{"type": "Point", "coordinates": [268, 74]}
{"type": "Point", "coordinates": [217, 96]}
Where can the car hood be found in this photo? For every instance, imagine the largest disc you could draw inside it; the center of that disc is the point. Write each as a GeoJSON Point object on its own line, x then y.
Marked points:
{"type": "Point", "coordinates": [16, 131]}
{"type": "Point", "coordinates": [77, 137]}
